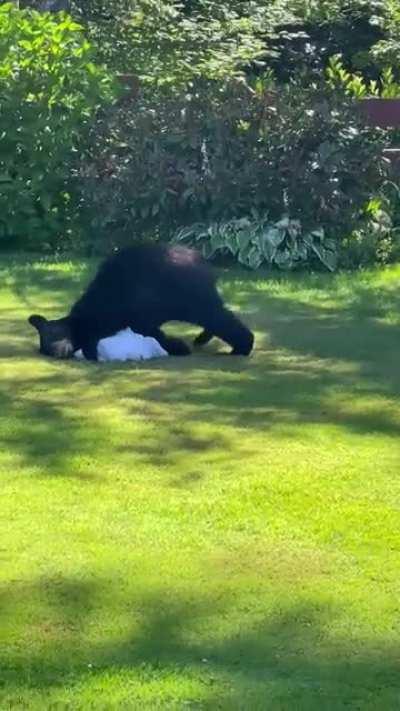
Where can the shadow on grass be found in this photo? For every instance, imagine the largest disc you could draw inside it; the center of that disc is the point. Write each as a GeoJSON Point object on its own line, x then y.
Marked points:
{"type": "Point", "coordinates": [44, 436]}
{"type": "Point", "coordinates": [316, 363]}
{"type": "Point", "coordinates": [288, 653]}
{"type": "Point", "coordinates": [183, 413]}
{"type": "Point", "coordinates": [332, 362]}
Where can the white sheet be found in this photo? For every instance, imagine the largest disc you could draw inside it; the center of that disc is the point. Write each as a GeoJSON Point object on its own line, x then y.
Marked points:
{"type": "Point", "coordinates": [127, 345]}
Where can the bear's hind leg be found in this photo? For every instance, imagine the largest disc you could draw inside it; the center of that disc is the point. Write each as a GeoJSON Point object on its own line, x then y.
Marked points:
{"type": "Point", "coordinates": [173, 346]}
{"type": "Point", "coordinates": [203, 338]}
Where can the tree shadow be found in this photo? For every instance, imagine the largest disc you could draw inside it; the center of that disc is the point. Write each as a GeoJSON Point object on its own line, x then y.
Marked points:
{"type": "Point", "coordinates": [173, 442]}
{"type": "Point", "coordinates": [324, 357]}
{"type": "Point", "coordinates": [43, 435]}
{"type": "Point", "coordinates": [315, 363]}
{"type": "Point", "coordinates": [285, 655]}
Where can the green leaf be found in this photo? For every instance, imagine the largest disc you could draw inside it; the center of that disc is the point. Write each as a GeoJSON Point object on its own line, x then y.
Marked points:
{"type": "Point", "coordinates": [319, 232]}
{"type": "Point", "coordinates": [269, 240]}
{"type": "Point", "coordinates": [208, 250]}
{"type": "Point", "coordinates": [283, 259]}
{"type": "Point", "coordinates": [283, 223]}
{"type": "Point", "coordinates": [254, 257]}
{"type": "Point", "coordinates": [243, 239]}
{"type": "Point", "coordinates": [326, 253]}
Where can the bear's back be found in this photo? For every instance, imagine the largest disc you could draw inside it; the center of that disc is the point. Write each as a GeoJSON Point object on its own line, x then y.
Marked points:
{"type": "Point", "coordinates": [150, 273]}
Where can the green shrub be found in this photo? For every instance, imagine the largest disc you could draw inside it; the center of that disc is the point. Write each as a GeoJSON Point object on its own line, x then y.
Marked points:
{"type": "Point", "coordinates": [203, 138]}
{"type": "Point", "coordinates": [164, 46]}
{"type": "Point", "coordinates": [385, 87]}
{"type": "Point", "coordinates": [386, 51]}
{"type": "Point", "coordinates": [49, 90]}
{"type": "Point", "coordinates": [142, 36]}
{"type": "Point", "coordinates": [255, 241]}
{"type": "Point", "coordinates": [306, 34]}
{"type": "Point", "coordinates": [212, 155]}
{"type": "Point", "coordinates": [376, 239]}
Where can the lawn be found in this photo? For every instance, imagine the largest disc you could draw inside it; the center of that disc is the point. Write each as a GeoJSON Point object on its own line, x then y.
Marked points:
{"type": "Point", "coordinates": [209, 532]}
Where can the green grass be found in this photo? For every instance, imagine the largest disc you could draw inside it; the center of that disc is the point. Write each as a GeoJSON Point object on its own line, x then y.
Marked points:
{"type": "Point", "coordinates": [205, 533]}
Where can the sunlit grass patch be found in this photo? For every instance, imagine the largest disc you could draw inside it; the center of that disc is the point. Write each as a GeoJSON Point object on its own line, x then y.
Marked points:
{"type": "Point", "coordinates": [207, 532]}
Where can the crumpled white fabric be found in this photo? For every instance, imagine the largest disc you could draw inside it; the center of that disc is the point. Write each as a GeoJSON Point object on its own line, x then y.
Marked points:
{"type": "Point", "coordinates": [127, 345]}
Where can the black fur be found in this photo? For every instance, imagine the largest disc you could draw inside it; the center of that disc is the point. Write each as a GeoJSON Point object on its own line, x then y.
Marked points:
{"type": "Point", "coordinates": [143, 287]}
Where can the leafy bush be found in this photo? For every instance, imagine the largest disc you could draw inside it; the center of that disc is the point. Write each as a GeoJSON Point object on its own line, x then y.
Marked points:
{"type": "Point", "coordinates": [295, 36]}
{"type": "Point", "coordinates": [355, 85]}
{"type": "Point", "coordinates": [377, 238]}
{"type": "Point", "coordinates": [386, 51]}
{"type": "Point", "coordinates": [49, 90]}
{"type": "Point", "coordinates": [143, 35]}
{"type": "Point", "coordinates": [216, 155]}
{"type": "Point", "coordinates": [306, 34]}
{"type": "Point", "coordinates": [164, 46]}
{"type": "Point", "coordinates": [202, 135]}
{"type": "Point", "coordinates": [256, 241]}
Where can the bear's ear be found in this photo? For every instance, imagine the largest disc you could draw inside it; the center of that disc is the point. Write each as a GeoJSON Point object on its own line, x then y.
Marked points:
{"type": "Point", "coordinates": [37, 321]}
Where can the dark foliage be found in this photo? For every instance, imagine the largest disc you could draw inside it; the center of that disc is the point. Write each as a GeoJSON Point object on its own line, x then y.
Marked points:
{"type": "Point", "coordinates": [303, 151]}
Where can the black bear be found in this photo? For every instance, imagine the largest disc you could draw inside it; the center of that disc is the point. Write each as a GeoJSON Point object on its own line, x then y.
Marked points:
{"type": "Point", "coordinates": [143, 287]}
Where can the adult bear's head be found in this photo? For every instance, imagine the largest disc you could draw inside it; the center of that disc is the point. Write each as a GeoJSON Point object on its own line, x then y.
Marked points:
{"type": "Point", "coordinates": [55, 336]}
